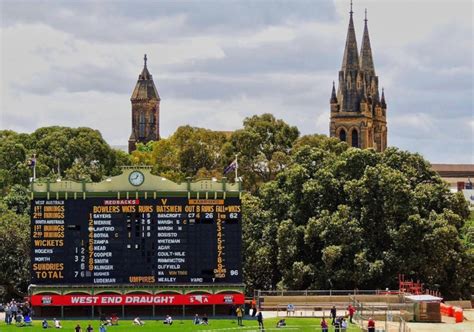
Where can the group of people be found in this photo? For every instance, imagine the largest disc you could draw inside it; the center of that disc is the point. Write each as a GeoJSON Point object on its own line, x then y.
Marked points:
{"type": "Point", "coordinates": [239, 312]}
{"type": "Point", "coordinates": [350, 310]}
{"type": "Point", "coordinates": [18, 313]}
{"type": "Point", "coordinates": [89, 328]}
{"type": "Point", "coordinates": [109, 320]}
{"type": "Point", "coordinates": [56, 324]}
{"type": "Point", "coordinates": [139, 322]}
{"type": "Point", "coordinates": [339, 323]}
{"type": "Point", "coordinates": [201, 320]}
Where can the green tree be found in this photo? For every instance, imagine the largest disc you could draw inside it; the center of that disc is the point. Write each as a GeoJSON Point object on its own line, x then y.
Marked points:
{"type": "Point", "coordinates": [14, 249]}
{"type": "Point", "coordinates": [188, 152]}
{"type": "Point", "coordinates": [350, 218]}
{"type": "Point", "coordinates": [263, 147]}
{"type": "Point", "coordinates": [258, 246]}
{"type": "Point", "coordinates": [18, 199]}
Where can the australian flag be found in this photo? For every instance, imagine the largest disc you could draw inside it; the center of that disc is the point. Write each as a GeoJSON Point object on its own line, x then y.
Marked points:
{"type": "Point", "coordinates": [232, 167]}
{"type": "Point", "coordinates": [32, 161]}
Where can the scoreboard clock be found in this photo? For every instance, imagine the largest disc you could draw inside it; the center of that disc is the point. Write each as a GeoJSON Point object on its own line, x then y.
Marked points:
{"type": "Point", "coordinates": [136, 241]}
{"type": "Point", "coordinates": [136, 178]}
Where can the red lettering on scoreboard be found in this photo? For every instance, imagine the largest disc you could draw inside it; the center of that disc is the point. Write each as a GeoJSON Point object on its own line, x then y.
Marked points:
{"type": "Point", "coordinates": [136, 299]}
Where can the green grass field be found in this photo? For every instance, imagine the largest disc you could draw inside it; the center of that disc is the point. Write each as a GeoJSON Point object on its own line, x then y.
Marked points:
{"type": "Point", "coordinates": [293, 324]}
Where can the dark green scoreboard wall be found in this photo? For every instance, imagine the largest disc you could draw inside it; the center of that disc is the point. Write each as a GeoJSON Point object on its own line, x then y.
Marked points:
{"type": "Point", "coordinates": [171, 240]}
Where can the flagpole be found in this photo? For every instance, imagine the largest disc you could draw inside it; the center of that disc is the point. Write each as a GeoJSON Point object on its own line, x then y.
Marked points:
{"type": "Point", "coordinates": [236, 168]}
{"type": "Point", "coordinates": [34, 167]}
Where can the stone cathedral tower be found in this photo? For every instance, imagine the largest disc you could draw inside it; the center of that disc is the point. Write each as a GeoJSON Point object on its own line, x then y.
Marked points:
{"type": "Point", "coordinates": [145, 110]}
{"type": "Point", "coordinates": [358, 112]}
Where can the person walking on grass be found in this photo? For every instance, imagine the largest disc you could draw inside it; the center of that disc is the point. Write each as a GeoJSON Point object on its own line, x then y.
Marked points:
{"type": "Point", "coordinates": [351, 311]}
{"type": "Point", "coordinates": [333, 314]}
{"type": "Point", "coordinates": [260, 321]}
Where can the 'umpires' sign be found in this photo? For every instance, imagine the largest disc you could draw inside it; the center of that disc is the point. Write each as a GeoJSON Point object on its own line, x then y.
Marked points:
{"type": "Point", "coordinates": [136, 299]}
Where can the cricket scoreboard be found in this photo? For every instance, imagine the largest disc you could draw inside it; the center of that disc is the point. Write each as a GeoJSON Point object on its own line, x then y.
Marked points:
{"type": "Point", "coordinates": [165, 240]}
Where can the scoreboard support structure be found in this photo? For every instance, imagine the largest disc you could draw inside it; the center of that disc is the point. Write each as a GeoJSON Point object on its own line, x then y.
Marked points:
{"type": "Point", "coordinates": [135, 244]}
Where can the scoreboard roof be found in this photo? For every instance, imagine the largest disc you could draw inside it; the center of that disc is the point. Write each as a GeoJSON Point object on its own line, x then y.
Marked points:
{"type": "Point", "coordinates": [134, 180]}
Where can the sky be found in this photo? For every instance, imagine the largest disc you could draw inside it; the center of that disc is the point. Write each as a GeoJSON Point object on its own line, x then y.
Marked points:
{"type": "Point", "coordinates": [214, 63]}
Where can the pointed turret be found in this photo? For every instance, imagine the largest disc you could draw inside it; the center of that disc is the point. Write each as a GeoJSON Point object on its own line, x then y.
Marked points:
{"type": "Point", "coordinates": [366, 61]}
{"type": "Point", "coordinates": [145, 87]}
{"type": "Point", "coordinates": [333, 94]}
{"type": "Point", "coordinates": [382, 99]}
{"type": "Point", "coordinates": [350, 60]}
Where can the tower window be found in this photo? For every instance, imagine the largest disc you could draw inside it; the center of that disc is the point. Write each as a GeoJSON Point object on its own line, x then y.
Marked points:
{"type": "Point", "coordinates": [355, 138]}
{"type": "Point", "coordinates": [141, 126]}
{"type": "Point", "coordinates": [342, 135]}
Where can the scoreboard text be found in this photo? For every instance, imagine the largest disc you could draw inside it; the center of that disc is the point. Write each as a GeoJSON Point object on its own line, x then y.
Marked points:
{"type": "Point", "coordinates": [163, 240]}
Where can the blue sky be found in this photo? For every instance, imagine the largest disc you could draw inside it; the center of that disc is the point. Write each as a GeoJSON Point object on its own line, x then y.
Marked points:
{"type": "Point", "coordinates": [216, 62]}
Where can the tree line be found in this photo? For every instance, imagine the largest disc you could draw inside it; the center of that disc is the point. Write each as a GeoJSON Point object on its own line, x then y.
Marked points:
{"type": "Point", "coordinates": [317, 214]}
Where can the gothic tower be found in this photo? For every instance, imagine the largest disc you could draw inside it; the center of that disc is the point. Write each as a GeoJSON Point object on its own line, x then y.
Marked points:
{"type": "Point", "coordinates": [145, 110]}
{"type": "Point", "coordinates": [358, 112]}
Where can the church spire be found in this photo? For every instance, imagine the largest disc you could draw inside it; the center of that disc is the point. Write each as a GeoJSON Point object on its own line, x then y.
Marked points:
{"type": "Point", "coordinates": [351, 57]}
{"type": "Point", "coordinates": [366, 61]}
{"type": "Point", "coordinates": [333, 94]}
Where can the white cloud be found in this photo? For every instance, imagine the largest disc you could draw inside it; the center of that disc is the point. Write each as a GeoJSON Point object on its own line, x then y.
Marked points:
{"type": "Point", "coordinates": [214, 65]}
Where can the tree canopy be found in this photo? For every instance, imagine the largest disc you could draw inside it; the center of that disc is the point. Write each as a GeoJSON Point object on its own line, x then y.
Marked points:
{"type": "Point", "coordinates": [316, 213]}
{"type": "Point", "coordinates": [351, 218]}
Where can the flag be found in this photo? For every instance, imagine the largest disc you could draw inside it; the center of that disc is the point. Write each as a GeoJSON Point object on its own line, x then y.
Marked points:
{"type": "Point", "coordinates": [32, 161]}
{"type": "Point", "coordinates": [232, 167]}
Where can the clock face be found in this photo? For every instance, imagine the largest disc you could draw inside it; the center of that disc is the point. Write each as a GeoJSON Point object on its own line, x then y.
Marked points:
{"type": "Point", "coordinates": [136, 178]}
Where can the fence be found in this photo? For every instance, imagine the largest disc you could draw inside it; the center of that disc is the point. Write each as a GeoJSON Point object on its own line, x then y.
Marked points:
{"type": "Point", "coordinates": [328, 292]}
{"type": "Point", "coordinates": [391, 317]}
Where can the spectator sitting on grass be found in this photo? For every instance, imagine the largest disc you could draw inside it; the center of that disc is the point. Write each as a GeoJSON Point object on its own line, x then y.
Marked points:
{"type": "Point", "coordinates": [343, 325]}
{"type": "Point", "coordinates": [204, 320]}
{"type": "Point", "coordinates": [27, 320]}
{"type": "Point", "coordinates": [19, 320]}
{"type": "Point", "coordinates": [57, 323]}
{"type": "Point", "coordinates": [114, 319]}
{"type": "Point", "coordinates": [138, 321]}
{"type": "Point", "coordinates": [168, 320]}
{"type": "Point", "coordinates": [104, 320]}
{"type": "Point", "coordinates": [196, 320]}
{"type": "Point", "coordinates": [281, 323]}
{"type": "Point", "coordinates": [44, 324]}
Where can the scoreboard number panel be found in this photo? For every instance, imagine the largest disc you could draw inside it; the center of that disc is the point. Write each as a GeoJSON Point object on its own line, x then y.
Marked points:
{"type": "Point", "coordinates": [136, 241]}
